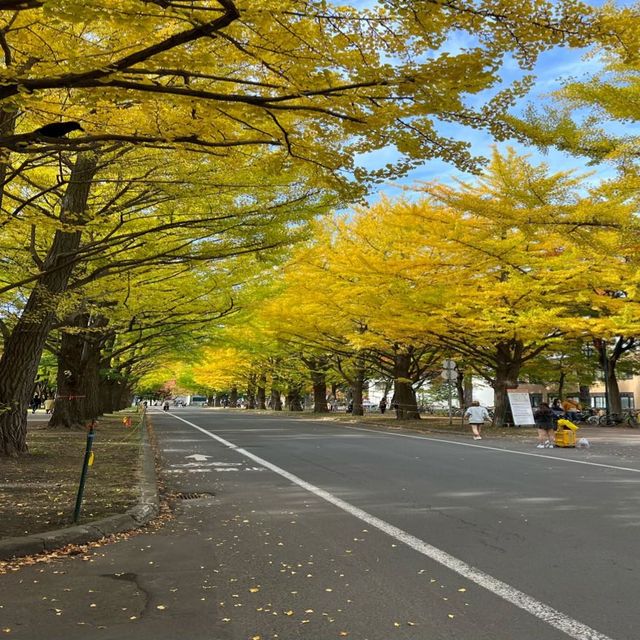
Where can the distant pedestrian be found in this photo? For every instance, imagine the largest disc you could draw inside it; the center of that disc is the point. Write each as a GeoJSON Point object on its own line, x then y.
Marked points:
{"type": "Point", "coordinates": [545, 419]}
{"type": "Point", "coordinates": [49, 404]}
{"type": "Point", "coordinates": [383, 405]}
{"type": "Point", "coordinates": [35, 403]}
{"type": "Point", "coordinates": [476, 416]}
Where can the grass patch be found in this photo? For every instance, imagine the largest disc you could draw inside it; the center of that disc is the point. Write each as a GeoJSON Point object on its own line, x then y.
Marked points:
{"type": "Point", "coordinates": [38, 490]}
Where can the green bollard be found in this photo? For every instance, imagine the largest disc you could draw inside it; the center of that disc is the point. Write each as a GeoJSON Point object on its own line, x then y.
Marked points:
{"type": "Point", "coordinates": [85, 468]}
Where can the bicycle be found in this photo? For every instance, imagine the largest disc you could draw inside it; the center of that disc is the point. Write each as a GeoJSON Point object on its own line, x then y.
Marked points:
{"type": "Point", "coordinates": [628, 417]}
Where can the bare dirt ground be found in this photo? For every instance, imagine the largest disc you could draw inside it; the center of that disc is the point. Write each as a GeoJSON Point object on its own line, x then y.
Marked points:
{"type": "Point", "coordinates": [38, 490]}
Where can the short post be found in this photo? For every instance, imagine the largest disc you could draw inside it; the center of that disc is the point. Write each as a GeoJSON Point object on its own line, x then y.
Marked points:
{"type": "Point", "coordinates": [85, 467]}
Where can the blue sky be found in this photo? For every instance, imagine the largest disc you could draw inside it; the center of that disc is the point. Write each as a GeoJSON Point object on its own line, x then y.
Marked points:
{"type": "Point", "coordinates": [553, 67]}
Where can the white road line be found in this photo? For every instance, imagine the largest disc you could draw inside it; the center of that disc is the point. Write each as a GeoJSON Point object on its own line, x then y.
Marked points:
{"type": "Point", "coordinates": [483, 446]}
{"type": "Point", "coordinates": [569, 626]}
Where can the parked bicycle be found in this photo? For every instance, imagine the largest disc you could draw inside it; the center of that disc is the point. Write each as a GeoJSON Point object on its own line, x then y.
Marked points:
{"type": "Point", "coordinates": [629, 417]}
{"type": "Point", "coordinates": [588, 416]}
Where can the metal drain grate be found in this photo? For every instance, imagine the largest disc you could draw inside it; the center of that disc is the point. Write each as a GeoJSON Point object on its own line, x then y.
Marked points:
{"type": "Point", "coordinates": [193, 496]}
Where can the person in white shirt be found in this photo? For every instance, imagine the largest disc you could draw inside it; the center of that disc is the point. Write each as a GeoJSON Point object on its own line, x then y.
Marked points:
{"type": "Point", "coordinates": [476, 416]}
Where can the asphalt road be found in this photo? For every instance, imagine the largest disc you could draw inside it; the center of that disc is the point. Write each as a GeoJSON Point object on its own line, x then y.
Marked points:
{"type": "Point", "coordinates": [299, 529]}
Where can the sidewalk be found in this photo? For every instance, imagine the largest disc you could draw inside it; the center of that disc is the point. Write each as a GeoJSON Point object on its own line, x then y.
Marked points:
{"type": "Point", "coordinates": [146, 509]}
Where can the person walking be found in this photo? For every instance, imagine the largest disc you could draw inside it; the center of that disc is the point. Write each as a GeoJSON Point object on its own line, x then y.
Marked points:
{"type": "Point", "coordinates": [35, 403]}
{"type": "Point", "coordinates": [545, 420]}
{"type": "Point", "coordinates": [476, 416]}
{"type": "Point", "coordinates": [383, 405]}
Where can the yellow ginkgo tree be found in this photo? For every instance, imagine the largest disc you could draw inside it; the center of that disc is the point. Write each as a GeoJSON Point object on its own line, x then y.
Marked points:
{"type": "Point", "coordinates": [497, 270]}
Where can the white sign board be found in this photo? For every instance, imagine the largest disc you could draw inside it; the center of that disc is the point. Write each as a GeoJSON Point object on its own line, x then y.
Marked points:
{"type": "Point", "coordinates": [520, 407]}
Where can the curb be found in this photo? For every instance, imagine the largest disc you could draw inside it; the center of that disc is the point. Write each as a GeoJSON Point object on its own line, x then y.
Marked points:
{"type": "Point", "coordinates": [146, 510]}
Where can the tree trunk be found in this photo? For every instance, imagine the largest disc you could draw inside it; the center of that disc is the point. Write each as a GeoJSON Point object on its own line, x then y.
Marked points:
{"type": "Point", "coordinates": [319, 392]}
{"type": "Point", "coordinates": [114, 395]}
{"type": "Point", "coordinates": [468, 390]}
{"type": "Point", "coordinates": [615, 402]}
{"type": "Point", "coordinates": [508, 364]}
{"type": "Point", "coordinates": [276, 399]}
{"type": "Point", "coordinates": [23, 348]}
{"type": "Point", "coordinates": [460, 379]}
{"type": "Point", "coordinates": [251, 391]}
{"type": "Point", "coordinates": [68, 410]}
{"type": "Point", "coordinates": [318, 372]}
{"type": "Point", "coordinates": [357, 390]}
{"type": "Point", "coordinates": [125, 395]}
{"type": "Point", "coordinates": [561, 380]}
{"type": "Point", "coordinates": [608, 366]}
{"type": "Point", "coordinates": [261, 397]}
{"type": "Point", "coordinates": [404, 396]}
{"type": "Point", "coordinates": [251, 398]}
{"type": "Point", "coordinates": [91, 384]}
{"type": "Point", "coordinates": [585, 396]}
{"type": "Point", "coordinates": [294, 399]}
{"type": "Point", "coordinates": [79, 398]}
{"type": "Point", "coordinates": [233, 397]}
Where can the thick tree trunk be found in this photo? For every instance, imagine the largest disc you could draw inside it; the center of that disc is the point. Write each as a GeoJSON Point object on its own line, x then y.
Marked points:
{"type": "Point", "coordinates": [561, 380]}
{"type": "Point", "coordinates": [79, 361]}
{"type": "Point", "coordinates": [69, 408]}
{"type": "Point", "coordinates": [404, 396]}
{"type": "Point", "coordinates": [251, 392]}
{"type": "Point", "coordinates": [91, 387]}
{"type": "Point", "coordinates": [276, 399]}
{"type": "Point", "coordinates": [608, 366]}
{"type": "Point", "coordinates": [615, 402]}
{"type": "Point", "coordinates": [294, 399]}
{"type": "Point", "coordinates": [261, 398]}
{"type": "Point", "coordinates": [318, 372]}
{"type": "Point", "coordinates": [357, 390]}
{"type": "Point", "coordinates": [468, 390]}
{"type": "Point", "coordinates": [124, 397]}
{"type": "Point", "coordinates": [319, 392]}
{"type": "Point", "coordinates": [460, 388]}
{"type": "Point", "coordinates": [110, 393]}
{"type": "Point", "coordinates": [585, 396]}
{"type": "Point", "coordinates": [508, 364]}
{"type": "Point", "coordinates": [23, 348]}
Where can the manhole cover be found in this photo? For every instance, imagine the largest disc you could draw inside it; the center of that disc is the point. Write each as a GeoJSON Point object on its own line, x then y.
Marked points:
{"type": "Point", "coordinates": [193, 496]}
